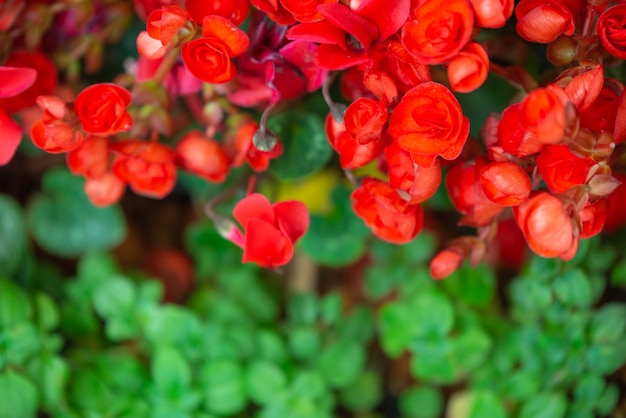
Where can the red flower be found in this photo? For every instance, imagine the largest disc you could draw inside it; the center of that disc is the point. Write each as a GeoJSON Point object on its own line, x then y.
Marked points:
{"type": "Point", "coordinates": [543, 21]}
{"type": "Point", "coordinates": [547, 226]}
{"type": "Point", "coordinates": [592, 218]}
{"type": "Point", "coordinates": [612, 30]}
{"type": "Point", "coordinates": [16, 80]}
{"type": "Point", "coordinates": [446, 262]}
{"type": "Point", "coordinates": [44, 84]}
{"type": "Point", "coordinates": [415, 183]}
{"type": "Point", "coordinates": [270, 231]}
{"type": "Point", "coordinates": [492, 13]}
{"type": "Point", "coordinates": [148, 167]}
{"type": "Point", "coordinates": [352, 154]}
{"type": "Point", "coordinates": [505, 183]}
{"type": "Point", "coordinates": [429, 122]}
{"type": "Point", "coordinates": [202, 156]}
{"type": "Point", "coordinates": [389, 216]}
{"type": "Point", "coordinates": [468, 70]}
{"type": "Point", "coordinates": [11, 137]}
{"type": "Point", "coordinates": [561, 169]}
{"type": "Point", "coordinates": [91, 158]}
{"type": "Point", "coordinates": [365, 119]}
{"type": "Point", "coordinates": [51, 133]}
{"type": "Point", "coordinates": [245, 150]}
{"type": "Point", "coordinates": [164, 23]}
{"type": "Point", "coordinates": [234, 10]}
{"type": "Point", "coordinates": [601, 115]}
{"type": "Point", "coordinates": [101, 109]}
{"type": "Point", "coordinates": [209, 57]}
{"type": "Point", "coordinates": [104, 190]}
{"type": "Point", "coordinates": [438, 29]}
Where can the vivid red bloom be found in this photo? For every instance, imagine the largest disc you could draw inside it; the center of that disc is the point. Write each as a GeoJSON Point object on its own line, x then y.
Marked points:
{"type": "Point", "coordinates": [592, 218]}
{"type": "Point", "coordinates": [104, 190]}
{"type": "Point", "coordinates": [270, 231]}
{"type": "Point", "coordinates": [150, 48]}
{"type": "Point", "coordinates": [274, 10]}
{"type": "Point", "coordinates": [304, 11]}
{"type": "Point", "coordinates": [145, 7]}
{"type": "Point", "coordinates": [365, 119]}
{"type": "Point", "coordinates": [52, 133]}
{"type": "Point", "coordinates": [562, 169]}
{"type": "Point", "coordinates": [446, 262]}
{"type": "Point", "coordinates": [164, 23]}
{"type": "Point", "coordinates": [414, 183]}
{"type": "Point", "coordinates": [429, 122]}
{"type": "Point", "coordinates": [44, 83]}
{"type": "Point", "coordinates": [15, 80]}
{"type": "Point", "coordinates": [611, 29]}
{"type": "Point", "coordinates": [244, 149]}
{"type": "Point", "coordinates": [547, 226]}
{"type": "Point", "coordinates": [148, 167]}
{"type": "Point", "coordinates": [601, 114]}
{"type": "Point", "coordinates": [468, 70]}
{"type": "Point", "coordinates": [234, 10]}
{"type": "Point", "coordinates": [585, 87]}
{"type": "Point", "coordinates": [352, 154]}
{"type": "Point", "coordinates": [438, 30]}
{"type": "Point", "coordinates": [209, 57]}
{"type": "Point", "coordinates": [91, 158]}
{"type": "Point", "coordinates": [492, 13]}
{"type": "Point", "coordinates": [11, 134]}
{"type": "Point", "coordinates": [101, 109]}
{"type": "Point", "coordinates": [543, 21]}
{"type": "Point", "coordinates": [202, 156]}
{"type": "Point", "coordinates": [505, 183]}
{"type": "Point", "coordinates": [389, 216]}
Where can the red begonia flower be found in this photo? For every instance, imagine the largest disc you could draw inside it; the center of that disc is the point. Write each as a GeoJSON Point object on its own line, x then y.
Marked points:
{"type": "Point", "coordinates": [414, 183]}
{"type": "Point", "coordinates": [348, 20]}
{"type": "Point", "coordinates": [387, 15]}
{"type": "Point", "coordinates": [15, 80]}
{"type": "Point", "coordinates": [429, 122]}
{"type": "Point", "coordinates": [104, 190]}
{"type": "Point", "coordinates": [145, 7]}
{"type": "Point", "coordinates": [492, 13]}
{"type": "Point", "coordinates": [601, 114]}
{"type": "Point", "coordinates": [275, 10]}
{"type": "Point", "coordinates": [352, 154]}
{"type": "Point", "coordinates": [91, 158]}
{"type": "Point", "coordinates": [164, 23]}
{"type": "Point", "coordinates": [543, 21]}
{"type": "Point", "coordinates": [592, 218]}
{"type": "Point", "coordinates": [44, 84]}
{"type": "Point", "coordinates": [389, 216]}
{"type": "Point", "coordinates": [202, 156]}
{"type": "Point", "coordinates": [150, 48]}
{"type": "Point", "coordinates": [543, 113]}
{"type": "Point", "coordinates": [270, 231]}
{"type": "Point", "coordinates": [148, 167]}
{"type": "Point", "coordinates": [611, 29]}
{"type": "Point", "coordinates": [561, 169]}
{"type": "Point", "coordinates": [333, 57]}
{"type": "Point", "coordinates": [547, 226]}
{"type": "Point", "coordinates": [584, 88]}
{"type": "Point", "coordinates": [11, 134]}
{"type": "Point", "coordinates": [304, 10]}
{"type": "Point", "coordinates": [505, 183]}
{"type": "Point", "coordinates": [468, 70]}
{"type": "Point", "coordinates": [513, 137]}
{"type": "Point", "coordinates": [301, 56]}
{"type": "Point", "coordinates": [234, 10]}
{"type": "Point", "coordinates": [365, 119]}
{"type": "Point", "coordinates": [235, 40]}
{"type": "Point", "coordinates": [446, 262]}
{"type": "Point", "coordinates": [438, 29]}
{"type": "Point", "coordinates": [322, 32]}
{"type": "Point", "coordinates": [101, 109]}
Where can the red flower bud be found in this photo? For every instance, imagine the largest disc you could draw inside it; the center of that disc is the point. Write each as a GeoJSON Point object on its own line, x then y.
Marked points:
{"type": "Point", "coordinates": [438, 30]}
{"type": "Point", "coordinates": [592, 218]}
{"type": "Point", "coordinates": [148, 167]}
{"type": "Point", "coordinates": [611, 29]}
{"type": "Point", "coordinates": [468, 70]}
{"type": "Point", "coordinates": [389, 216]}
{"type": "Point", "coordinates": [352, 154]}
{"type": "Point", "coordinates": [543, 21]}
{"type": "Point", "coordinates": [104, 190]}
{"type": "Point", "coordinates": [505, 183]}
{"type": "Point", "coordinates": [547, 226]}
{"type": "Point", "coordinates": [492, 13]}
{"type": "Point", "coordinates": [91, 158]}
{"type": "Point", "coordinates": [417, 183]}
{"type": "Point", "coordinates": [202, 156]}
{"type": "Point", "coordinates": [562, 169]}
{"type": "Point", "coordinates": [164, 23]}
{"type": "Point", "coordinates": [270, 231]}
{"type": "Point", "coordinates": [446, 262]}
{"type": "Point", "coordinates": [101, 109]}
{"type": "Point", "coordinates": [365, 119]}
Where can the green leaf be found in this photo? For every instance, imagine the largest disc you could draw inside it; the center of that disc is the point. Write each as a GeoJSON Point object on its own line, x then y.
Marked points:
{"type": "Point", "coordinates": [51, 375]}
{"type": "Point", "coordinates": [573, 288]}
{"type": "Point", "coordinates": [608, 324]}
{"type": "Point", "coordinates": [14, 305]}
{"type": "Point", "coordinates": [223, 387]}
{"type": "Point", "coordinates": [308, 384]}
{"type": "Point", "coordinates": [331, 307]}
{"type": "Point", "coordinates": [46, 312]}
{"type": "Point", "coordinates": [65, 223]}
{"type": "Point", "coordinates": [12, 236]}
{"type": "Point", "coordinates": [19, 396]}
{"type": "Point", "coordinates": [304, 342]}
{"type": "Point", "coordinates": [432, 362]}
{"type": "Point", "coordinates": [338, 238]}
{"type": "Point", "coordinates": [521, 385]}
{"type": "Point", "coordinates": [264, 381]}
{"type": "Point", "coordinates": [470, 349]}
{"type": "Point", "coordinates": [605, 359]}
{"type": "Point", "coordinates": [545, 405]}
{"type": "Point", "coordinates": [270, 346]}
{"type": "Point", "coordinates": [589, 389]}
{"type": "Point", "coordinates": [608, 400]}
{"type": "Point", "coordinates": [475, 404]}
{"type": "Point", "coordinates": [421, 402]}
{"type": "Point", "coordinates": [396, 328]}
{"type": "Point", "coordinates": [364, 393]}
{"type": "Point", "coordinates": [170, 371]}
{"type": "Point", "coordinates": [358, 326]}
{"type": "Point", "coordinates": [530, 297]}
{"type": "Point", "coordinates": [475, 286]}
{"type": "Point", "coordinates": [18, 343]}
{"type": "Point", "coordinates": [303, 308]}
{"type": "Point", "coordinates": [305, 147]}
{"type": "Point", "coordinates": [175, 326]}
{"type": "Point", "coordinates": [433, 314]}
{"type": "Point", "coordinates": [341, 363]}
{"type": "Point", "coordinates": [114, 297]}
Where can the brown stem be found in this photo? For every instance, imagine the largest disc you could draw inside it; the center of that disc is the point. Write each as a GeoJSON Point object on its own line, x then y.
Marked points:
{"type": "Point", "coordinates": [166, 65]}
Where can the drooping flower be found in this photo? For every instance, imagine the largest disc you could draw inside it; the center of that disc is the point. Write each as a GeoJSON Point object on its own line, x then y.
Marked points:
{"type": "Point", "coordinates": [269, 231]}
{"type": "Point", "coordinates": [468, 70]}
{"type": "Point", "coordinates": [202, 156]}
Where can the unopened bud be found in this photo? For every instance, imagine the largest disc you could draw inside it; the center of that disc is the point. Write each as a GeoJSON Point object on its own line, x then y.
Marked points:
{"type": "Point", "coordinates": [264, 140]}
{"type": "Point", "coordinates": [562, 51]}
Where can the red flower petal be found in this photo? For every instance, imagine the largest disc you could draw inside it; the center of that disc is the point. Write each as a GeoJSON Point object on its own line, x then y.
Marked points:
{"type": "Point", "coordinates": [235, 40]}
{"type": "Point", "coordinates": [266, 245]}
{"type": "Point", "coordinates": [15, 80]}
{"type": "Point", "coordinates": [11, 135]}
{"type": "Point", "coordinates": [293, 219]}
{"type": "Point", "coordinates": [255, 206]}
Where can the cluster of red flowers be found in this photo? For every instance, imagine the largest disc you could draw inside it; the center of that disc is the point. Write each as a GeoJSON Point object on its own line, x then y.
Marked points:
{"type": "Point", "coordinates": [546, 161]}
